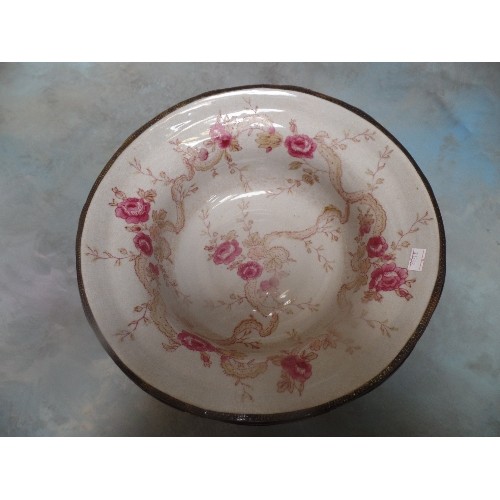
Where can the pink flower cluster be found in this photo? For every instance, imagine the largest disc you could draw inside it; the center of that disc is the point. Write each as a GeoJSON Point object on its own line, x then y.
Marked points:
{"type": "Point", "coordinates": [300, 146]}
{"type": "Point", "coordinates": [136, 211]}
{"type": "Point", "coordinates": [133, 210]}
{"type": "Point", "coordinates": [227, 252]}
{"type": "Point", "coordinates": [297, 367]}
{"type": "Point", "coordinates": [194, 342]}
{"type": "Point", "coordinates": [387, 277]}
{"type": "Point", "coordinates": [220, 135]}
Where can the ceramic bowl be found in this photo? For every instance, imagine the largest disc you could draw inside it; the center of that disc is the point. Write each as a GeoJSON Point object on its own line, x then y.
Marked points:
{"type": "Point", "coordinates": [260, 254]}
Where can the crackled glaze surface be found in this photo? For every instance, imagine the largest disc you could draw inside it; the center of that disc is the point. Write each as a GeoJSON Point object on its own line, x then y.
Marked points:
{"type": "Point", "coordinates": [248, 253]}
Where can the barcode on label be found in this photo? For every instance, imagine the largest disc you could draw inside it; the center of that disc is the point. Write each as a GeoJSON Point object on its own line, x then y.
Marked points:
{"type": "Point", "coordinates": [417, 257]}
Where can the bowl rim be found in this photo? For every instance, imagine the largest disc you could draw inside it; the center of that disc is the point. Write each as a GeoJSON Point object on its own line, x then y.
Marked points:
{"type": "Point", "coordinates": [272, 418]}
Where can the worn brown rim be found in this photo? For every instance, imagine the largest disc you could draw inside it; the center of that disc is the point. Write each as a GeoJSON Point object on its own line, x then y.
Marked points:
{"type": "Point", "coordinates": [256, 418]}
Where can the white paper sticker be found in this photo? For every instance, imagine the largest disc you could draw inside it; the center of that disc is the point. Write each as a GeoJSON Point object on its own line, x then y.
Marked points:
{"type": "Point", "coordinates": [417, 257]}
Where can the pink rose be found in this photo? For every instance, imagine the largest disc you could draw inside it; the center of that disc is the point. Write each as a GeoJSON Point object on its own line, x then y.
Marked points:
{"type": "Point", "coordinates": [271, 284]}
{"type": "Point", "coordinates": [300, 146]}
{"type": "Point", "coordinates": [133, 210]}
{"type": "Point", "coordinates": [144, 244]}
{"type": "Point", "coordinates": [376, 246]}
{"type": "Point", "coordinates": [195, 343]}
{"type": "Point", "coordinates": [220, 136]}
{"type": "Point", "coordinates": [297, 367]}
{"type": "Point", "coordinates": [249, 270]}
{"type": "Point", "coordinates": [226, 252]}
{"type": "Point", "coordinates": [203, 154]}
{"type": "Point", "coordinates": [388, 277]}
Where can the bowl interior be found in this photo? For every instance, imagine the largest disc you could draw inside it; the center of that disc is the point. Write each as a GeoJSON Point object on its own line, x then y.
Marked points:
{"type": "Point", "coordinates": [259, 256]}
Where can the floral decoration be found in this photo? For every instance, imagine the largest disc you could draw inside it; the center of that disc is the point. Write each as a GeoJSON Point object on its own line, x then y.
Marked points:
{"type": "Point", "coordinates": [262, 261]}
{"type": "Point", "coordinates": [300, 146]}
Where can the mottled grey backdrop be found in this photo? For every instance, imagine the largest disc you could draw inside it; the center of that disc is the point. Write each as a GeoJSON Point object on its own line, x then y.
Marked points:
{"type": "Point", "coordinates": [59, 125]}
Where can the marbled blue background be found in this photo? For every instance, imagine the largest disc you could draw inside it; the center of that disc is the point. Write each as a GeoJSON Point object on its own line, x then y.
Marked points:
{"type": "Point", "coordinates": [59, 125]}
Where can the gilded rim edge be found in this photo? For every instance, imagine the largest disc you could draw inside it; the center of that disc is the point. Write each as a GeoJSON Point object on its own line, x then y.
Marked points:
{"type": "Point", "coordinates": [273, 418]}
